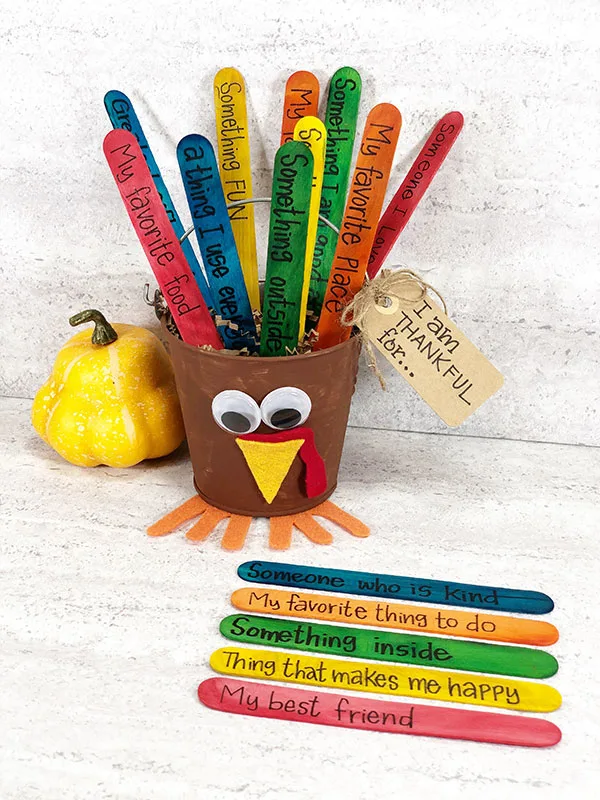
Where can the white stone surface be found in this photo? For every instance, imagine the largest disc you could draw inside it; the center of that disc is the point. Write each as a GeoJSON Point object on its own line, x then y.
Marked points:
{"type": "Point", "coordinates": [508, 231]}
{"type": "Point", "coordinates": [106, 633]}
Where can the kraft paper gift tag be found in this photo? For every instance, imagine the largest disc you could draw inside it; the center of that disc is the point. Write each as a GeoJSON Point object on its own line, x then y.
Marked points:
{"type": "Point", "coordinates": [397, 316]}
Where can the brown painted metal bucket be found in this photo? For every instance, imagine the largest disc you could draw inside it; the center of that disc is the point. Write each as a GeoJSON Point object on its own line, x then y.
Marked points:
{"type": "Point", "coordinates": [224, 476]}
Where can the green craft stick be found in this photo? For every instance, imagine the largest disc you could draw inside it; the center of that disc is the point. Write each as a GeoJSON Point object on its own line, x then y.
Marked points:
{"type": "Point", "coordinates": [428, 651]}
{"type": "Point", "coordinates": [290, 200]}
{"type": "Point", "coordinates": [340, 123]}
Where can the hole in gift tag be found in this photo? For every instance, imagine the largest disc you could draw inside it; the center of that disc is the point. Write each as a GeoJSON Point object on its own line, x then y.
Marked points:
{"type": "Point", "coordinates": [388, 305]}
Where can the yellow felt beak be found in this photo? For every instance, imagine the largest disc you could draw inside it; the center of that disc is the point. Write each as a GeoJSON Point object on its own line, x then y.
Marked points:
{"type": "Point", "coordinates": [269, 463]}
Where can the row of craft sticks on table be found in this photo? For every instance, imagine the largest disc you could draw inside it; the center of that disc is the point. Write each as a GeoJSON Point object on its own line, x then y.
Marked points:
{"type": "Point", "coordinates": [432, 668]}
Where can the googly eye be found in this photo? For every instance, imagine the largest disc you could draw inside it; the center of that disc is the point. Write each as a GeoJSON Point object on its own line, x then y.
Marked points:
{"type": "Point", "coordinates": [284, 408]}
{"type": "Point", "coordinates": [236, 412]}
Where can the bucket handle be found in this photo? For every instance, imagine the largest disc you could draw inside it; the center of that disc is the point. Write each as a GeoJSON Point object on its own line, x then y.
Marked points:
{"type": "Point", "coordinates": [236, 203]}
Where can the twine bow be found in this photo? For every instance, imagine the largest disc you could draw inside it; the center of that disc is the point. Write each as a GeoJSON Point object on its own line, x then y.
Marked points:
{"type": "Point", "coordinates": [380, 291]}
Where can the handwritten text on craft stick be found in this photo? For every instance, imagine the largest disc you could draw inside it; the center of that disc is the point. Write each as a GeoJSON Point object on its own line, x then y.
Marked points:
{"type": "Point", "coordinates": [472, 625]}
{"type": "Point", "coordinates": [428, 683]}
{"type": "Point", "coordinates": [157, 237]}
{"type": "Point", "coordinates": [378, 645]}
{"type": "Point", "coordinates": [236, 174]}
{"type": "Point", "coordinates": [396, 587]}
{"type": "Point", "coordinates": [288, 227]}
{"type": "Point", "coordinates": [413, 187]}
{"type": "Point", "coordinates": [340, 123]}
{"type": "Point", "coordinates": [311, 131]}
{"type": "Point", "coordinates": [363, 713]}
{"type": "Point", "coordinates": [359, 224]}
{"type": "Point", "coordinates": [301, 100]}
{"type": "Point", "coordinates": [200, 175]}
{"type": "Point", "coordinates": [122, 115]}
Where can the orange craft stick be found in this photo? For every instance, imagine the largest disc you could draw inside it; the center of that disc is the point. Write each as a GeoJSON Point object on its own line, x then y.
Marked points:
{"type": "Point", "coordinates": [381, 614]}
{"type": "Point", "coordinates": [301, 100]}
{"type": "Point", "coordinates": [359, 224]}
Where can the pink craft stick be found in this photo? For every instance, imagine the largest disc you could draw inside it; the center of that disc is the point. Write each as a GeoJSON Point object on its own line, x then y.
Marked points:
{"type": "Point", "coordinates": [348, 711]}
{"type": "Point", "coordinates": [159, 240]}
{"type": "Point", "coordinates": [413, 187]}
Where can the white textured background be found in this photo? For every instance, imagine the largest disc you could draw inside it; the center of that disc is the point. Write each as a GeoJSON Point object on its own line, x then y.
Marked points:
{"type": "Point", "coordinates": [104, 634]}
{"type": "Point", "coordinates": [508, 231]}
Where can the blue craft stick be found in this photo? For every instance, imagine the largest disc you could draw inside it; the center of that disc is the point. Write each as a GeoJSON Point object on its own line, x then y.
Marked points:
{"type": "Point", "coordinates": [122, 115]}
{"type": "Point", "coordinates": [395, 587]}
{"type": "Point", "coordinates": [204, 191]}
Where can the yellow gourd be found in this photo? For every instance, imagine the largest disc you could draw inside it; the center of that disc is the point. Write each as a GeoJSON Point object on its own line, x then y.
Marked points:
{"type": "Point", "coordinates": [111, 397]}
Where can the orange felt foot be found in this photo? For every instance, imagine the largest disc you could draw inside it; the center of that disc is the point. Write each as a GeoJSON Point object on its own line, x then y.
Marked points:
{"type": "Point", "coordinates": [312, 529]}
{"type": "Point", "coordinates": [175, 519]}
{"type": "Point", "coordinates": [281, 528]}
{"type": "Point", "coordinates": [280, 532]}
{"type": "Point", "coordinates": [235, 533]}
{"type": "Point", "coordinates": [207, 518]}
{"type": "Point", "coordinates": [333, 513]}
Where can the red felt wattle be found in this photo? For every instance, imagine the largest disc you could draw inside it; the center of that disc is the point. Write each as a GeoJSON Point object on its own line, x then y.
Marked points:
{"type": "Point", "coordinates": [316, 476]}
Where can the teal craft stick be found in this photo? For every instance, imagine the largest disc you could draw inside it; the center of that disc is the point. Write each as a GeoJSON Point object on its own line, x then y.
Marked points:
{"type": "Point", "coordinates": [204, 191]}
{"type": "Point", "coordinates": [122, 115]}
{"type": "Point", "coordinates": [396, 587]}
{"type": "Point", "coordinates": [379, 645]}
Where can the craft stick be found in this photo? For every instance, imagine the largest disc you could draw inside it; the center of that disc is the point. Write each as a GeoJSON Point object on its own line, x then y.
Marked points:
{"type": "Point", "coordinates": [363, 713]}
{"type": "Point", "coordinates": [290, 202]}
{"type": "Point", "coordinates": [363, 207]}
{"type": "Point", "coordinates": [340, 124]}
{"type": "Point", "coordinates": [233, 145]}
{"type": "Point", "coordinates": [159, 240]}
{"type": "Point", "coordinates": [311, 131]}
{"type": "Point", "coordinates": [396, 587]}
{"type": "Point", "coordinates": [122, 115]}
{"type": "Point", "coordinates": [473, 625]}
{"type": "Point", "coordinates": [200, 175]}
{"type": "Point", "coordinates": [413, 187]}
{"type": "Point", "coordinates": [430, 684]}
{"type": "Point", "coordinates": [520, 662]}
{"type": "Point", "coordinates": [301, 100]}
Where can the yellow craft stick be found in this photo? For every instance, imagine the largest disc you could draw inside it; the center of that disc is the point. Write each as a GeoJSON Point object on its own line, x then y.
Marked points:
{"type": "Point", "coordinates": [234, 168]}
{"type": "Point", "coordinates": [311, 131]}
{"type": "Point", "coordinates": [431, 684]}
{"type": "Point", "coordinates": [448, 622]}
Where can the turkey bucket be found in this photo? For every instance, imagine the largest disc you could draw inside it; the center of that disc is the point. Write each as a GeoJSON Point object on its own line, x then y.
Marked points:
{"type": "Point", "coordinates": [229, 470]}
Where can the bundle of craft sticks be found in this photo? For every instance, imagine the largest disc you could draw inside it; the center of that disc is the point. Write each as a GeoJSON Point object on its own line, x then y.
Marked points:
{"type": "Point", "coordinates": [327, 234]}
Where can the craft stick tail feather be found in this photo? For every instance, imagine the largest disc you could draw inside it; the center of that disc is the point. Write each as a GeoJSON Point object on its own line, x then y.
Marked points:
{"type": "Point", "coordinates": [236, 174]}
{"type": "Point", "coordinates": [359, 223]}
{"type": "Point", "coordinates": [413, 187]}
{"type": "Point", "coordinates": [159, 240]}
{"type": "Point", "coordinates": [122, 115]}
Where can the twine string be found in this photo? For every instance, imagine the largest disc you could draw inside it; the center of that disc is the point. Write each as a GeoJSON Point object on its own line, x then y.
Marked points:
{"type": "Point", "coordinates": [381, 291]}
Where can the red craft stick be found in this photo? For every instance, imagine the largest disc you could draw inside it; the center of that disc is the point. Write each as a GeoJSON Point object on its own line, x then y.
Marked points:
{"type": "Point", "coordinates": [159, 240]}
{"type": "Point", "coordinates": [413, 187]}
{"type": "Point", "coordinates": [348, 711]}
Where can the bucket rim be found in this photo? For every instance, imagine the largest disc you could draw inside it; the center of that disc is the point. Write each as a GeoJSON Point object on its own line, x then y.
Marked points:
{"type": "Point", "coordinates": [225, 353]}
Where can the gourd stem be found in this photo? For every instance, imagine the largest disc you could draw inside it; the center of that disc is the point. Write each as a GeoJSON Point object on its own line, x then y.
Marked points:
{"type": "Point", "coordinates": [103, 334]}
